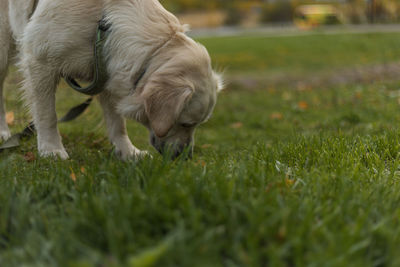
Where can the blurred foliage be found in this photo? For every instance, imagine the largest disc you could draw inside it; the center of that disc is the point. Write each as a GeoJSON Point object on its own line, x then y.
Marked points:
{"type": "Point", "coordinates": [194, 5]}
{"type": "Point", "coordinates": [233, 16]}
{"type": "Point", "coordinates": [281, 11]}
{"type": "Point", "coordinates": [387, 10]}
{"type": "Point", "coordinates": [270, 11]}
{"type": "Point", "coordinates": [356, 11]}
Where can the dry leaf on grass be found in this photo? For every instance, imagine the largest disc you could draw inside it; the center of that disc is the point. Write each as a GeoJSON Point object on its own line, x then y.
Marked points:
{"type": "Point", "coordinates": [29, 157]}
{"type": "Point", "coordinates": [206, 146]}
{"type": "Point", "coordinates": [289, 182]}
{"type": "Point", "coordinates": [202, 163]}
{"type": "Point", "coordinates": [10, 118]}
{"type": "Point", "coordinates": [72, 175]}
{"type": "Point", "coordinates": [358, 95]}
{"type": "Point", "coordinates": [237, 125]}
{"type": "Point", "coordinates": [276, 116]}
{"type": "Point", "coordinates": [303, 105]}
{"type": "Point", "coordinates": [282, 233]}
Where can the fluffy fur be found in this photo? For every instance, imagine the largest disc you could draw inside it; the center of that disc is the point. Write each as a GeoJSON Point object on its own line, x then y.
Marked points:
{"type": "Point", "coordinates": [177, 93]}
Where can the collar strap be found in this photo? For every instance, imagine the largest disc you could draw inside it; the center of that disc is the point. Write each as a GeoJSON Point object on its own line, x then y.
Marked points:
{"type": "Point", "coordinates": [100, 75]}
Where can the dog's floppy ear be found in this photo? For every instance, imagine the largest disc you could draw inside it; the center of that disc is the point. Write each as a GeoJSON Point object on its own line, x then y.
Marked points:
{"type": "Point", "coordinates": [219, 79]}
{"type": "Point", "coordinates": [163, 106]}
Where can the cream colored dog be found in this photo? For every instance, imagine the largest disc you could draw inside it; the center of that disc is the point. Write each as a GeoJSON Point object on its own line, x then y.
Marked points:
{"type": "Point", "coordinates": [177, 92]}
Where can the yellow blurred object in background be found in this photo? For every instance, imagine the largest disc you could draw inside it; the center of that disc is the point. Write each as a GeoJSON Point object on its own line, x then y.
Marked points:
{"type": "Point", "coordinates": [311, 16]}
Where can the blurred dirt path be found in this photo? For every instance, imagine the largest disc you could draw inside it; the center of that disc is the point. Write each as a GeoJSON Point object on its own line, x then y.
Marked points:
{"type": "Point", "coordinates": [323, 79]}
{"type": "Point", "coordinates": [290, 30]}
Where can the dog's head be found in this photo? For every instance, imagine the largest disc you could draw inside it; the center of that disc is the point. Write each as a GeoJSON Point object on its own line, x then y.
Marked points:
{"type": "Point", "coordinates": [178, 95]}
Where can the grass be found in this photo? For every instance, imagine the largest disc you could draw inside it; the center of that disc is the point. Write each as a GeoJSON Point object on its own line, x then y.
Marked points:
{"type": "Point", "coordinates": [280, 177]}
{"type": "Point", "coordinates": [303, 54]}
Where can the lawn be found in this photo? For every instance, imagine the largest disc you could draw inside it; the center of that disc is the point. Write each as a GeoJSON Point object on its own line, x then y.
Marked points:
{"type": "Point", "coordinates": [280, 177]}
{"type": "Point", "coordinates": [303, 54]}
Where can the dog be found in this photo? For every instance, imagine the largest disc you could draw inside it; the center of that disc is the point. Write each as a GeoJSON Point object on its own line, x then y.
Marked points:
{"type": "Point", "coordinates": [54, 38]}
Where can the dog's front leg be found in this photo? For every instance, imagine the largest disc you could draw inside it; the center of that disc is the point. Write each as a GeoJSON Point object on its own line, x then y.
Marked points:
{"type": "Point", "coordinates": [117, 133]}
{"type": "Point", "coordinates": [40, 87]}
{"type": "Point", "coordinates": [4, 130]}
{"type": "Point", "coordinates": [6, 50]}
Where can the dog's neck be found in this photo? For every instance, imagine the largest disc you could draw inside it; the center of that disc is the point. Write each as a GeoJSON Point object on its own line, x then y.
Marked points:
{"type": "Point", "coordinates": [139, 31]}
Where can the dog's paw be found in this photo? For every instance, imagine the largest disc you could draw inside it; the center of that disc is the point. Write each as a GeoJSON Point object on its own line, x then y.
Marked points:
{"type": "Point", "coordinates": [141, 154]}
{"type": "Point", "coordinates": [131, 154]}
{"type": "Point", "coordinates": [55, 153]}
{"type": "Point", "coordinates": [4, 135]}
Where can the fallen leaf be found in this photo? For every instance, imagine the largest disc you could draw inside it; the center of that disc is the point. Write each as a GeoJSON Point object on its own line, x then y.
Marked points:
{"type": "Point", "coordinates": [282, 232]}
{"type": "Point", "coordinates": [206, 146]}
{"type": "Point", "coordinates": [289, 182]}
{"type": "Point", "coordinates": [237, 125]}
{"type": "Point", "coordinates": [10, 118]}
{"type": "Point", "coordinates": [83, 170]}
{"type": "Point", "coordinates": [201, 162]}
{"type": "Point", "coordinates": [29, 157]}
{"type": "Point", "coordinates": [302, 105]}
{"type": "Point", "coordinates": [72, 175]}
{"type": "Point", "coordinates": [276, 116]}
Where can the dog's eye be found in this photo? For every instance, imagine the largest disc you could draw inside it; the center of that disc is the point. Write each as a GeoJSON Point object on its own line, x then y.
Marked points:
{"type": "Point", "coordinates": [188, 125]}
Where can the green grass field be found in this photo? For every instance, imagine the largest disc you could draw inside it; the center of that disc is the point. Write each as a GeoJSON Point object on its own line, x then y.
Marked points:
{"type": "Point", "coordinates": [280, 177]}
{"type": "Point", "coordinates": [303, 54]}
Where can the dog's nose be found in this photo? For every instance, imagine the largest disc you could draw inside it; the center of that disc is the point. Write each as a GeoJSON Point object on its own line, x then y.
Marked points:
{"type": "Point", "coordinates": [178, 151]}
{"type": "Point", "coordinates": [172, 151]}
{"type": "Point", "coordinates": [158, 145]}
{"type": "Point", "coordinates": [186, 150]}
{"type": "Point", "coordinates": [152, 139]}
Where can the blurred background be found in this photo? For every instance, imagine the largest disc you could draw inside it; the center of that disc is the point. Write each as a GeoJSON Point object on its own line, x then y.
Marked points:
{"type": "Point", "coordinates": [301, 13]}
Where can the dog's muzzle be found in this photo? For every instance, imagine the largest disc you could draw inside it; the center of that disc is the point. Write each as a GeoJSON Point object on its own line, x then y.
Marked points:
{"type": "Point", "coordinates": [172, 150]}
